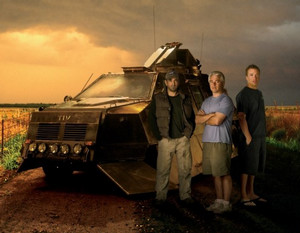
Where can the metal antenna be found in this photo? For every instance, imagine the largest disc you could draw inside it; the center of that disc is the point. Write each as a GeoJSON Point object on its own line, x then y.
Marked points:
{"type": "Point", "coordinates": [87, 82]}
{"type": "Point", "coordinates": [154, 27]}
{"type": "Point", "coordinates": [201, 46]}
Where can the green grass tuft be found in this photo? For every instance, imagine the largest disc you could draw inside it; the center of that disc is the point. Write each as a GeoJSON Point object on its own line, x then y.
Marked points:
{"type": "Point", "coordinates": [11, 153]}
{"type": "Point", "coordinates": [292, 144]}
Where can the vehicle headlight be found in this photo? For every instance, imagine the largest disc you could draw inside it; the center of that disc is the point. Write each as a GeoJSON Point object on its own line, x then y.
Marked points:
{"type": "Point", "coordinates": [65, 149]}
{"type": "Point", "coordinates": [42, 147]}
{"type": "Point", "coordinates": [77, 148]}
{"type": "Point", "coordinates": [32, 147]}
{"type": "Point", "coordinates": [53, 148]}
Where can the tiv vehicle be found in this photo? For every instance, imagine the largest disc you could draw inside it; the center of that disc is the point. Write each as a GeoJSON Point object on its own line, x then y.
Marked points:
{"type": "Point", "coordinates": [106, 125]}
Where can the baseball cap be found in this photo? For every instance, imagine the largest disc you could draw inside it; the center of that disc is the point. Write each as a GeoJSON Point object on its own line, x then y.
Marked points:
{"type": "Point", "coordinates": [171, 74]}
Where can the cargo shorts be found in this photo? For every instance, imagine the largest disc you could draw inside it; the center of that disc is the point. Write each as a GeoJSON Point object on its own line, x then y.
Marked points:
{"type": "Point", "coordinates": [216, 158]}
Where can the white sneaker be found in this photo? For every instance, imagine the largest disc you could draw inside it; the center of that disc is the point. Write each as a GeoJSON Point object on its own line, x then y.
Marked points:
{"type": "Point", "coordinates": [223, 208]}
{"type": "Point", "coordinates": [216, 205]}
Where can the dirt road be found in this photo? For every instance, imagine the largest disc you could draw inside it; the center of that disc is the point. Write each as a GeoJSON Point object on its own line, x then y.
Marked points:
{"type": "Point", "coordinates": [84, 204]}
{"type": "Point", "coordinates": [89, 202]}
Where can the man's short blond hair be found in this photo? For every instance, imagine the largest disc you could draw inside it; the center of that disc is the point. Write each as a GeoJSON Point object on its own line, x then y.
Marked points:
{"type": "Point", "coordinates": [252, 66]}
{"type": "Point", "coordinates": [219, 74]}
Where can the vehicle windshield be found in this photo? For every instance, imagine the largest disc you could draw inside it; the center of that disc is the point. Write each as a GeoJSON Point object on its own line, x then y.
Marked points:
{"type": "Point", "coordinates": [119, 85]}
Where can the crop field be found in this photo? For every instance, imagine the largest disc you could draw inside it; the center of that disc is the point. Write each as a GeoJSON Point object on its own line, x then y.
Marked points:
{"type": "Point", "coordinates": [9, 113]}
{"type": "Point", "coordinates": [14, 113]}
{"type": "Point", "coordinates": [283, 126]}
{"type": "Point", "coordinates": [13, 127]}
{"type": "Point", "coordinates": [283, 122]}
{"type": "Point", "coordinates": [283, 129]}
{"type": "Point", "coordinates": [13, 121]}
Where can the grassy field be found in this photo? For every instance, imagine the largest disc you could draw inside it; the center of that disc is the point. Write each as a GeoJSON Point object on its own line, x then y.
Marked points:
{"type": "Point", "coordinates": [283, 127]}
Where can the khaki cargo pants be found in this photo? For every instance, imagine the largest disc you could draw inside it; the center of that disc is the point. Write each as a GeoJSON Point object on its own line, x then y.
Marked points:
{"type": "Point", "coordinates": [167, 148]}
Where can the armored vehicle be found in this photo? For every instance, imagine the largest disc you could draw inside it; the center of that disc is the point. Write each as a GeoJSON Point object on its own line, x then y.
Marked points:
{"type": "Point", "coordinates": [106, 126]}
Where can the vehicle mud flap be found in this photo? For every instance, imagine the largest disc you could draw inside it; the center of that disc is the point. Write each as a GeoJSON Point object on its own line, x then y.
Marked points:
{"type": "Point", "coordinates": [133, 177]}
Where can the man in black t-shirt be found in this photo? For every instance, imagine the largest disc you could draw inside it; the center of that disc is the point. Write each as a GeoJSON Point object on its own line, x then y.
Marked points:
{"type": "Point", "coordinates": [252, 149]}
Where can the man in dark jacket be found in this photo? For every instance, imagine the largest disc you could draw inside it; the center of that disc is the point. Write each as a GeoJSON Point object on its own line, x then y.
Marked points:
{"type": "Point", "coordinates": [171, 119]}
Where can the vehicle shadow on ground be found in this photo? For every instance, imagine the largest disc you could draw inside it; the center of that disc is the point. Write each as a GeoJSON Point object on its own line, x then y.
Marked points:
{"type": "Point", "coordinates": [92, 181]}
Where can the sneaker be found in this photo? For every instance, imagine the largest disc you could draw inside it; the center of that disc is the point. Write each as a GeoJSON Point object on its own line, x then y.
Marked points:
{"type": "Point", "coordinates": [159, 202]}
{"type": "Point", "coordinates": [217, 204]}
{"type": "Point", "coordinates": [223, 208]}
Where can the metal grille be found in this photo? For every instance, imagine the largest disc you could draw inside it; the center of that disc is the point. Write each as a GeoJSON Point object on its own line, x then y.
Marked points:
{"type": "Point", "coordinates": [47, 131]}
{"type": "Point", "coordinates": [75, 132]}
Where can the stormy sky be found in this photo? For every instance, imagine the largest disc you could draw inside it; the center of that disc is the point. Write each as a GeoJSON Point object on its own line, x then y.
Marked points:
{"type": "Point", "coordinates": [49, 48]}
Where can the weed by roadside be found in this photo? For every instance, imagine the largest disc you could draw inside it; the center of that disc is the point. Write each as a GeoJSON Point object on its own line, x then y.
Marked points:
{"type": "Point", "coordinates": [10, 158]}
{"type": "Point", "coordinates": [283, 128]}
{"type": "Point", "coordinates": [292, 144]}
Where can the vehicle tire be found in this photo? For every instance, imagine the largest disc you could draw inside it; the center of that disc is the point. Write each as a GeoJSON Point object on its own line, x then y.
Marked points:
{"type": "Point", "coordinates": [56, 171]}
{"type": "Point", "coordinates": [151, 156]}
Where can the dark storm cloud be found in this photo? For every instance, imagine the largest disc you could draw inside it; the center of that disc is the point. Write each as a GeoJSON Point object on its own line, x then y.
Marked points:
{"type": "Point", "coordinates": [226, 35]}
{"type": "Point", "coordinates": [112, 22]}
{"type": "Point", "coordinates": [130, 23]}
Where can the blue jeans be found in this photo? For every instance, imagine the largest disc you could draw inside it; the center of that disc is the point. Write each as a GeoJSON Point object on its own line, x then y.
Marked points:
{"type": "Point", "coordinates": [166, 149]}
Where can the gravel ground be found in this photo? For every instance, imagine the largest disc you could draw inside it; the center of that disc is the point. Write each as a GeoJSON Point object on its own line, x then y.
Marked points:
{"type": "Point", "coordinates": [89, 202]}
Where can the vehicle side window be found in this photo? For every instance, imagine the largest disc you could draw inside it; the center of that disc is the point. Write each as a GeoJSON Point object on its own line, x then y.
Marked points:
{"type": "Point", "coordinates": [159, 83]}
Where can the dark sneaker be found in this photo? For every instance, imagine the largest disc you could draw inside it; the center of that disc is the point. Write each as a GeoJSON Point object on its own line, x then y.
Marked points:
{"type": "Point", "coordinates": [188, 201]}
{"type": "Point", "coordinates": [159, 203]}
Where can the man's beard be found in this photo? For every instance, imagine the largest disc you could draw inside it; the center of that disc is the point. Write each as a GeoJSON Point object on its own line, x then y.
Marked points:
{"type": "Point", "coordinates": [173, 89]}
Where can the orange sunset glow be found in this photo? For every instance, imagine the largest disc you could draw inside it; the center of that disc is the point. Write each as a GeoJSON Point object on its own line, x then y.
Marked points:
{"type": "Point", "coordinates": [46, 65]}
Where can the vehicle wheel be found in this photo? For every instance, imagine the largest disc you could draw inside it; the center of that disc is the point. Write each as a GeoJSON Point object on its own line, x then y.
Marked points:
{"type": "Point", "coordinates": [151, 156]}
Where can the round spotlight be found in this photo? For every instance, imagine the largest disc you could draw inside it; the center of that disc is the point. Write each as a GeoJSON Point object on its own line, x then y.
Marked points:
{"type": "Point", "coordinates": [65, 149]}
{"type": "Point", "coordinates": [53, 148]}
{"type": "Point", "coordinates": [32, 147]}
{"type": "Point", "coordinates": [77, 148]}
{"type": "Point", "coordinates": [42, 147]}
